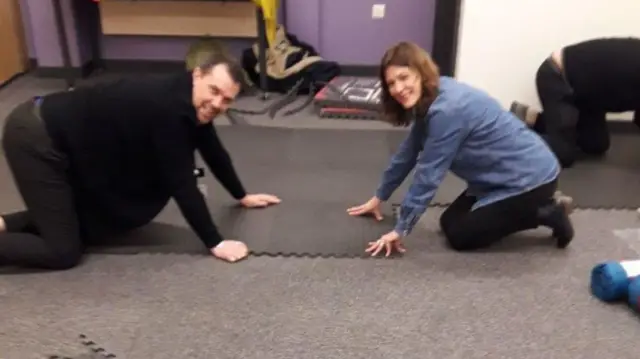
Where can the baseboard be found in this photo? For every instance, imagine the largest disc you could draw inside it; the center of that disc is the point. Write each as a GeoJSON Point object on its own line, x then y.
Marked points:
{"type": "Point", "coordinates": [143, 66]}
{"type": "Point", "coordinates": [60, 72]}
{"type": "Point", "coordinates": [31, 64]}
{"type": "Point", "coordinates": [126, 66]}
{"type": "Point", "coordinates": [168, 65]}
{"type": "Point", "coordinates": [13, 78]}
{"type": "Point", "coordinates": [155, 66]}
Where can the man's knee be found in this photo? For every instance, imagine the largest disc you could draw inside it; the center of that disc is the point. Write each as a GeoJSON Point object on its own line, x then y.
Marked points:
{"type": "Point", "coordinates": [64, 259]}
{"type": "Point", "coordinates": [595, 146]}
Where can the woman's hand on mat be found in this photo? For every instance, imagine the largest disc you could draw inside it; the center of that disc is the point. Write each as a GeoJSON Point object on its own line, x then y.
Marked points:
{"type": "Point", "coordinates": [259, 200]}
{"type": "Point", "coordinates": [230, 251]}
{"type": "Point", "coordinates": [371, 207]}
{"type": "Point", "coordinates": [390, 242]}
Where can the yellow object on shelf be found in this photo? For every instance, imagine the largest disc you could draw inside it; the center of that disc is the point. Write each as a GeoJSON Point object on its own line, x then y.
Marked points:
{"type": "Point", "coordinates": [270, 14]}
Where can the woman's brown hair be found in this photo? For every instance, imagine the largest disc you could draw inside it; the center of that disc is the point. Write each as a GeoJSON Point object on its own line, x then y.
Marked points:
{"type": "Point", "coordinates": [407, 54]}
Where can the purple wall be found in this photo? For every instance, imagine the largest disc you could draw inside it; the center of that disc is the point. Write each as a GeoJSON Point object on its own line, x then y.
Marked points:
{"type": "Point", "coordinates": [43, 34]}
{"type": "Point", "coordinates": [323, 24]}
{"type": "Point", "coordinates": [155, 48]}
{"type": "Point", "coordinates": [348, 35]}
{"type": "Point", "coordinates": [28, 33]}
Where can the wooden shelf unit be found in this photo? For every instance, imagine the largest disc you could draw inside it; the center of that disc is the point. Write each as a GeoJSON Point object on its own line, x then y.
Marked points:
{"type": "Point", "coordinates": [236, 19]}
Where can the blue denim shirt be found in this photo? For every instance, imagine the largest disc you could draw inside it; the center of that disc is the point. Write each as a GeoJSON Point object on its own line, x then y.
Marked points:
{"type": "Point", "coordinates": [469, 133]}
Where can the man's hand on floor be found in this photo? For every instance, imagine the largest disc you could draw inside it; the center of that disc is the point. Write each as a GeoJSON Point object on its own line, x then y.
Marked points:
{"type": "Point", "coordinates": [230, 250]}
{"type": "Point", "coordinates": [259, 200]}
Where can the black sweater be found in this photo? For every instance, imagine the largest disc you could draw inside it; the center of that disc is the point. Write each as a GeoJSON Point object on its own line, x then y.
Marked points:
{"type": "Point", "coordinates": [131, 145]}
{"type": "Point", "coordinates": [605, 73]}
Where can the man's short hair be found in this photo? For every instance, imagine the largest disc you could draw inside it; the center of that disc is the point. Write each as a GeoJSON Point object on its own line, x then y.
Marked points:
{"type": "Point", "coordinates": [233, 67]}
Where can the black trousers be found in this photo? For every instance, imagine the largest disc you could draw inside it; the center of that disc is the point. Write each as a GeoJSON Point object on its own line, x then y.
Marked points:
{"type": "Point", "coordinates": [48, 234]}
{"type": "Point", "coordinates": [566, 127]}
{"type": "Point", "coordinates": [469, 230]}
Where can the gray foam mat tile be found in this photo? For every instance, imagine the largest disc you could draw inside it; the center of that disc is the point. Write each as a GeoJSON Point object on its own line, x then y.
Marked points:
{"type": "Point", "coordinates": [254, 177]}
{"type": "Point", "coordinates": [329, 185]}
{"type": "Point", "coordinates": [609, 181]}
{"type": "Point", "coordinates": [623, 152]}
{"type": "Point", "coordinates": [153, 238]}
{"type": "Point", "coordinates": [601, 187]}
{"type": "Point", "coordinates": [395, 138]}
{"type": "Point", "coordinates": [299, 184]}
{"type": "Point", "coordinates": [313, 228]}
{"type": "Point", "coordinates": [170, 233]}
{"type": "Point", "coordinates": [323, 229]}
{"type": "Point", "coordinates": [257, 145]}
{"type": "Point", "coordinates": [313, 202]}
{"type": "Point", "coordinates": [332, 149]}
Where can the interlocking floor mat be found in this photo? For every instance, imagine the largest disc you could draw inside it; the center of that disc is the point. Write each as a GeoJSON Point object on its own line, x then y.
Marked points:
{"type": "Point", "coordinates": [319, 173]}
{"type": "Point", "coordinates": [306, 229]}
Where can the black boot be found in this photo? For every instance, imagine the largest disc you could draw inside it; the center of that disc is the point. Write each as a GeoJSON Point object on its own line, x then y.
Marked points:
{"type": "Point", "coordinates": [555, 216]}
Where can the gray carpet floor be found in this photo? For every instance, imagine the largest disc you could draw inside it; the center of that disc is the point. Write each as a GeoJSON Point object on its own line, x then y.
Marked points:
{"type": "Point", "coordinates": [520, 299]}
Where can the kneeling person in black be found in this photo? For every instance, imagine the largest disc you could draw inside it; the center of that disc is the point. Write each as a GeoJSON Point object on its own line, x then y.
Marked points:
{"type": "Point", "coordinates": [108, 158]}
{"type": "Point", "coordinates": [577, 86]}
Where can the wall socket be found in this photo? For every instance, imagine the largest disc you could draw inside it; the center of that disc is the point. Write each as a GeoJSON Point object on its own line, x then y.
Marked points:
{"type": "Point", "coordinates": [377, 11]}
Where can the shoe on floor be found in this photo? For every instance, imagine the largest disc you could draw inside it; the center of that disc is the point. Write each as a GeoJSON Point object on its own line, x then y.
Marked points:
{"type": "Point", "coordinates": [556, 217]}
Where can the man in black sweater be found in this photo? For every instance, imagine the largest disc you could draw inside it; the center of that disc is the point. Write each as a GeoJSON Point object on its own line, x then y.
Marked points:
{"type": "Point", "coordinates": [577, 86]}
{"type": "Point", "coordinates": [108, 158]}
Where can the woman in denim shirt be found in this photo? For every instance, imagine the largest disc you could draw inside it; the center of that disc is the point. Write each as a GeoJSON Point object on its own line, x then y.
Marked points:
{"type": "Point", "coordinates": [511, 174]}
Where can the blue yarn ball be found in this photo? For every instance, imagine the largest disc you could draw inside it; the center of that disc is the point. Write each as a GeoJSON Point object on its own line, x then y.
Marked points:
{"type": "Point", "coordinates": [609, 281]}
{"type": "Point", "coordinates": [633, 295]}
